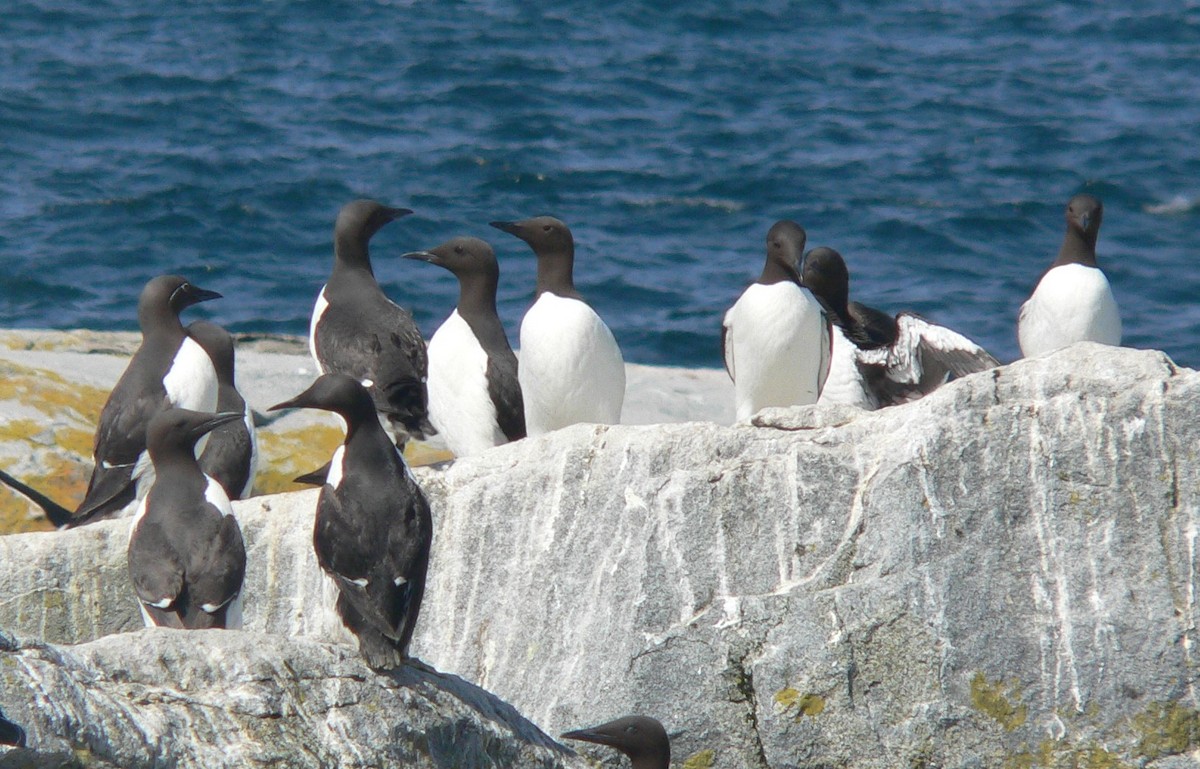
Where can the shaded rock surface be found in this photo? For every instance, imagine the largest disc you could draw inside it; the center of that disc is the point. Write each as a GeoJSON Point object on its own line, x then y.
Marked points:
{"type": "Point", "coordinates": [236, 699]}
{"type": "Point", "coordinates": [1002, 574]}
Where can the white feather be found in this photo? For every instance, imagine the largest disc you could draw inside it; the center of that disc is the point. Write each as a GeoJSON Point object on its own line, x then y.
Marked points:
{"type": "Point", "coordinates": [215, 495]}
{"type": "Point", "coordinates": [248, 420]}
{"type": "Point", "coordinates": [459, 404]}
{"type": "Point", "coordinates": [1072, 303]}
{"type": "Point", "coordinates": [398, 581]}
{"type": "Point", "coordinates": [570, 368]}
{"type": "Point", "coordinates": [845, 383]}
{"type": "Point", "coordinates": [779, 339]}
{"type": "Point", "coordinates": [336, 469]}
{"type": "Point", "coordinates": [191, 381]}
{"type": "Point", "coordinates": [318, 310]}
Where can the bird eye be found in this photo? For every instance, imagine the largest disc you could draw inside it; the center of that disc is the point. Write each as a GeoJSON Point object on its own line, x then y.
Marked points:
{"type": "Point", "coordinates": [631, 730]}
{"type": "Point", "coordinates": [458, 249]}
{"type": "Point", "coordinates": [546, 228]}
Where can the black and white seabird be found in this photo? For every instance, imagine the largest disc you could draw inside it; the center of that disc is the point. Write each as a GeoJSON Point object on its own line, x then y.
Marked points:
{"type": "Point", "coordinates": [1073, 301]}
{"type": "Point", "coordinates": [169, 370]}
{"type": "Point", "coordinates": [357, 331]}
{"type": "Point", "coordinates": [879, 360]}
{"type": "Point", "coordinates": [231, 455]}
{"type": "Point", "coordinates": [776, 337]}
{"type": "Point", "coordinates": [571, 369]}
{"type": "Point", "coordinates": [186, 555]}
{"type": "Point", "coordinates": [641, 738]}
{"type": "Point", "coordinates": [373, 528]}
{"type": "Point", "coordinates": [474, 396]}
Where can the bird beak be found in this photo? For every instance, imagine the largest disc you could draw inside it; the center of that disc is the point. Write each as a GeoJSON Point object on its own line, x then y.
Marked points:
{"type": "Point", "coordinates": [299, 402]}
{"type": "Point", "coordinates": [513, 228]}
{"type": "Point", "coordinates": [588, 735]}
{"type": "Point", "coordinates": [208, 425]}
{"type": "Point", "coordinates": [1085, 220]}
{"type": "Point", "coordinates": [424, 256]}
{"type": "Point", "coordinates": [396, 213]}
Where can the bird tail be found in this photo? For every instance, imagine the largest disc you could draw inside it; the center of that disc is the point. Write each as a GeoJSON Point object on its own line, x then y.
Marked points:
{"type": "Point", "coordinates": [378, 650]}
{"type": "Point", "coordinates": [58, 515]}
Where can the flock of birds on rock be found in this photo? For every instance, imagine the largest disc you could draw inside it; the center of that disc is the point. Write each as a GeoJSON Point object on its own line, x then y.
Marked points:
{"type": "Point", "coordinates": [177, 439]}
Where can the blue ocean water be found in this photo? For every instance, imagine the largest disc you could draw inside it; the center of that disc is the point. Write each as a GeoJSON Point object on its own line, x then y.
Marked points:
{"type": "Point", "coordinates": [933, 144]}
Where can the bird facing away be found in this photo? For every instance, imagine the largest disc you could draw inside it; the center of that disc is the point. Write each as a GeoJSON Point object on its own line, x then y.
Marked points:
{"type": "Point", "coordinates": [230, 456]}
{"type": "Point", "coordinates": [474, 396]}
{"type": "Point", "coordinates": [373, 528]}
{"type": "Point", "coordinates": [571, 369]}
{"type": "Point", "coordinates": [776, 337]}
{"type": "Point", "coordinates": [169, 369]}
{"type": "Point", "coordinates": [1073, 301]}
{"type": "Point", "coordinates": [357, 331]}
{"type": "Point", "coordinates": [879, 360]}
{"type": "Point", "coordinates": [186, 555]}
{"type": "Point", "coordinates": [641, 738]}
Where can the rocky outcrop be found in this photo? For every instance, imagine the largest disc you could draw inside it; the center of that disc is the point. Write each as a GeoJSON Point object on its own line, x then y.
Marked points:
{"type": "Point", "coordinates": [235, 699]}
{"type": "Point", "coordinates": [1003, 573]}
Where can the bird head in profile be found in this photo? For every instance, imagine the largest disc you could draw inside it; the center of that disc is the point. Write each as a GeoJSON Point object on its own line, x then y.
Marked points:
{"type": "Point", "coordinates": [641, 738]}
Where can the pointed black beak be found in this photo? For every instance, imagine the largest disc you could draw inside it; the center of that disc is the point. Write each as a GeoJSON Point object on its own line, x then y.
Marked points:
{"type": "Point", "coordinates": [510, 227]}
{"type": "Point", "coordinates": [397, 213]}
{"type": "Point", "coordinates": [588, 735]}
{"type": "Point", "coordinates": [294, 403]}
{"type": "Point", "coordinates": [208, 425]}
{"type": "Point", "coordinates": [424, 256]}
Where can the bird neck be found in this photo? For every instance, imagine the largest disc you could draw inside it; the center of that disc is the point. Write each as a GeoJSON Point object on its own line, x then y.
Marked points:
{"type": "Point", "coordinates": [477, 295]}
{"type": "Point", "coordinates": [555, 274]}
{"type": "Point", "coordinates": [176, 466]}
{"type": "Point", "coordinates": [652, 762]}
{"type": "Point", "coordinates": [350, 252]}
{"type": "Point", "coordinates": [159, 318]}
{"type": "Point", "coordinates": [774, 272]}
{"type": "Point", "coordinates": [1078, 247]}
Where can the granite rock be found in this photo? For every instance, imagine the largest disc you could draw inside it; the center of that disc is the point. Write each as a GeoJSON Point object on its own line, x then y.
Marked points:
{"type": "Point", "coordinates": [1003, 573]}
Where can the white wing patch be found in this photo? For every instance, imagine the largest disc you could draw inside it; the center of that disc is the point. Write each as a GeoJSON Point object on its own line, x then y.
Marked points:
{"type": "Point", "coordinates": [213, 608]}
{"type": "Point", "coordinates": [398, 581]}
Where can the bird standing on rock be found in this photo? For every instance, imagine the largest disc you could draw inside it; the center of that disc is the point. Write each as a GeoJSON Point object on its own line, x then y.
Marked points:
{"type": "Point", "coordinates": [474, 396]}
{"type": "Point", "coordinates": [357, 331]}
{"type": "Point", "coordinates": [373, 527]}
{"type": "Point", "coordinates": [186, 555]}
{"type": "Point", "coordinates": [776, 337]}
{"type": "Point", "coordinates": [169, 369]}
{"type": "Point", "coordinates": [230, 456]}
{"type": "Point", "coordinates": [571, 369]}
{"type": "Point", "coordinates": [641, 738]}
{"type": "Point", "coordinates": [878, 360]}
{"type": "Point", "coordinates": [1073, 301]}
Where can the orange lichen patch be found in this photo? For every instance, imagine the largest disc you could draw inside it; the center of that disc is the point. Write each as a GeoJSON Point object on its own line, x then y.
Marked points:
{"type": "Point", "coordinates": [418, 454]}
{"type": "Point", "coordinates": [284, 455]}
{"type": "Point", "coordinates": [50, 394]}
{"type": "Point", "coordinates": [64, 481]}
